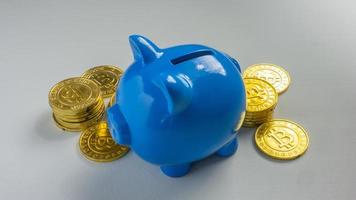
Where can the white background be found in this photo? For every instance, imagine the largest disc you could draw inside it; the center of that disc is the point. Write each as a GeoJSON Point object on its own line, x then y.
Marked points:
{"type": "Point", "coordinates": [43, 42]}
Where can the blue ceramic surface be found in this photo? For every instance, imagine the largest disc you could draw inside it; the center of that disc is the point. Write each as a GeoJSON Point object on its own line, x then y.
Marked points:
{"type": "Point", "coordinates": [178, 105]}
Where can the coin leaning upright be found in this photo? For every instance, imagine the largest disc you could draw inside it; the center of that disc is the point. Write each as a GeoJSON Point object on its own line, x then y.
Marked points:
{"type": "Point", "coordinates": [282, 139]}
{"type": "Point", "coordinates": [112, 100]}
{"type": "Point", "coordinates": [96, 144]}
{"type": "Point", "coordinates": [261, 95]}
{"type": "Point", "coordinates": [106, 77]}
{"type": "Point", "coordinates": [274, 74]}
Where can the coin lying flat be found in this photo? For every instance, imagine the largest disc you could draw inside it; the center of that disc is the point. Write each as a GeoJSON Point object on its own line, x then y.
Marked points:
{"type": "Point", "coordinates": [96, 144]}
{"type": "Point", "coordinates": [282, 139]}
{"type": "Point", "coordinates": [274, 74]}
{"type": "Point", "coordinates": [106, 77]}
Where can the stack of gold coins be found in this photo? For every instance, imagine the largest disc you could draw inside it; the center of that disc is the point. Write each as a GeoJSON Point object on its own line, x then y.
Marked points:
{"type": "Point", "coordinates": [76, 104]}
{"type": "Point", "coordinates": [261, 101]}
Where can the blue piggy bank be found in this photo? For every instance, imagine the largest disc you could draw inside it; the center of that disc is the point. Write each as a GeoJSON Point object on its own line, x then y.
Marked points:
{"type": "Point", "coordinates": [178, 105]}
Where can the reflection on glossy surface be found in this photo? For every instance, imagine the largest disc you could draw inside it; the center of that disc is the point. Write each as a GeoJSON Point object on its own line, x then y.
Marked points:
{"type": "Point", "coordinates": [178, 105]}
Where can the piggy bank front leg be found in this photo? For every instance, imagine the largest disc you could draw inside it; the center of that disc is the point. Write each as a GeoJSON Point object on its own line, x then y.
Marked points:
{"type": "Point", "coordinates": [176, 170]}
{"type": "Point", "coordinates": [229, 148]}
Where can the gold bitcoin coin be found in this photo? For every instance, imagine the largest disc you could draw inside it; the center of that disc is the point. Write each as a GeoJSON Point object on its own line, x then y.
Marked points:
{"type": "Point", "coordinates": [261, 96]}
{"type": "Point", "coordinates": [273, 74]}
{"type": "Point", "coordinates": [96, 144]}
{"type": "Point", "coordinates": [83, 122]}
{"type": "Point", "coordinates": [63, 127]}
{"type": "Point", "coordinates": [269, 116]}
{"type": "Point", "coordinates": [81, 112]}
{"type": "Point", "coordinates": [250, 125]}
{"type": "Point", "coordinates": [77, 126]}
{"type": "Point", "coordinates": [282, 139]}
{"type": "Point", "coordinates": [255, 123]}
{"type": "Point", "coordinates": [73, 94]}
{"type": "Point", "coordinates": [112, 100]}
{"type": "Point", "coordinates": [106, 77]}
{"type": "Point", "coordinates": [90, 114]}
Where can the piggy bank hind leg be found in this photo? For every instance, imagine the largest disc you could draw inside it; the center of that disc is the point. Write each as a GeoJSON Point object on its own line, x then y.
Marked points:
{"type": "Point", "coordinates": [176, 170]}
{"type": "Point", "coordinates": [229, 148]}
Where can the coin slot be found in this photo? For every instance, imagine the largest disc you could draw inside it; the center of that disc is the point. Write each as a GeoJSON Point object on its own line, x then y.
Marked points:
{"type": "Point", "coordinates": [190, 56]}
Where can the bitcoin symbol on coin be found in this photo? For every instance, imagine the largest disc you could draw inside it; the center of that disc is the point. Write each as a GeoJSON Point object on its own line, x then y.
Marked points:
{"type": "Point", "coordinates": [104, 80]}
{"type": "Point", "coordinates": [97, 144]}
{"type": "Point", "coordinates": [72, 95]}
{"type": "Point", "coordinates": [256, 95]}
{"type": "Point", "coordinates": [102, 140]}
{"type": "Point", "coordinates": [282, 138]}
{"type": "Point", "coordinates": [269, 76]}
{"type": "Point", "coordinates": [106, 77]}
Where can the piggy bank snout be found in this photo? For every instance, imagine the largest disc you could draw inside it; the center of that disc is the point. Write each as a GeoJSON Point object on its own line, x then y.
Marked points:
{"type": "Point", "coordinates": [118, 126]}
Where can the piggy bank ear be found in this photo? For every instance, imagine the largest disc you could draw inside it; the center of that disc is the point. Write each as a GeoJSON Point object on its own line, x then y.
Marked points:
{"type": "Point", "coordinates": [143, 49]}
{"type": "Point", "coordinates": [234, 61]}
{"type": "Point", "coordinates": [177, 90]}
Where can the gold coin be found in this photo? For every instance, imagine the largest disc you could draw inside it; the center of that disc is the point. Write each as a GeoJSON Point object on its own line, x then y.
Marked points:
{"type": "Point", "coordinates": [83, 122]}
{"type": "Point", "coordinates": [96, 144]}
{"type": "Point", "coordinates": [76, 126]}
{"type": "Point", "coordinates": [261, 113]}
{"type": "Point", "coordinates": [256, 122]}
{"type": "Point", "coordinates": [250, 125]}
{"type": "Point", "coordinates": [274, 74]}
{"type": "Point", "coordinates": [261, 96]}
{"type": "Point", "coordinates": [63, 127]}
{"type": "Point", "coordinates": [82, 112]}
{"type": "Point", "coordinates": [106, 76]}
{"type": "Point", "coordinates": [282, 139]}
{"type": "Point", "coordinates": [112, 100]}
{"type": "Point", "coordinates": [264, 119]}
{"type": "Point", "coordinates": [84, 117]}
{"type": "Point", "coordinates": [73, 94]}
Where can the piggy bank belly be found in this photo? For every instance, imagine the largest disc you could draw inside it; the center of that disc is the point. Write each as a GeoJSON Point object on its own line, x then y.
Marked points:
{"type": "Point", "coordinates": [197, 132]}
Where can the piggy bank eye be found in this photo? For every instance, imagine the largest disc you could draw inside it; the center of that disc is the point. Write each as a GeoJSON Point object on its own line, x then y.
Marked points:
{"type": "Point", "coordinates": [190, 56]}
